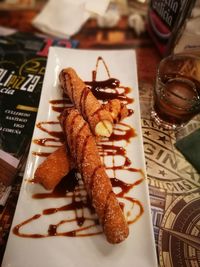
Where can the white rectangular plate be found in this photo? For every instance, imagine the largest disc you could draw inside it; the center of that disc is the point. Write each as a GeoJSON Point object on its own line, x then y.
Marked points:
{"type": "Point", "coordinates": [139, 248]}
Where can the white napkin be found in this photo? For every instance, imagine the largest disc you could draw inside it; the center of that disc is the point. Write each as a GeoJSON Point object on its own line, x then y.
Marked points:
{"type": "Point", "coordinates": [64, 18]}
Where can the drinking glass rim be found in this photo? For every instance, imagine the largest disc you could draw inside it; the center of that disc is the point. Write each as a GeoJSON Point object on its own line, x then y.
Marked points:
{"type": "Point", "coordinates": [175, 56]}
{"type": "Point", "coordinates": [179, 55]}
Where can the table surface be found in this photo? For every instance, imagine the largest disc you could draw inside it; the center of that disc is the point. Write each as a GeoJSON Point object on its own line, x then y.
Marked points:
{"type": "Point", "coordinates": [173, 182]}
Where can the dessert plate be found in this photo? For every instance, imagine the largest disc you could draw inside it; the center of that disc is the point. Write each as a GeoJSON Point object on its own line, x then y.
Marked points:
{"type": "Point", "coordinates": [46, 233]}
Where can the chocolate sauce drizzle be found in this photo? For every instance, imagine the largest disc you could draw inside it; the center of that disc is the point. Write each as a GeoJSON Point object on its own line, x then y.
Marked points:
{"type": "Point", "coordinates": [71, 187]}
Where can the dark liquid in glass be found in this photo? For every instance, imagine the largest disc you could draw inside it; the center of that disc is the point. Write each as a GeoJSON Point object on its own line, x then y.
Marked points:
{"type": "Point", "coordinates": [177, 91]}
{"type": "Point", "coordinates": [177, 99]}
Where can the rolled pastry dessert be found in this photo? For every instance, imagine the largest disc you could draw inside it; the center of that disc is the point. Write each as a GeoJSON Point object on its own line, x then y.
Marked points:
{"type": "Point", "coordinates": [99, 119]}
{"type": "Point", "coordinates": [117, 109]}
{"type": "Point", "coordinates": [57, 165]}
{"type": "Point", "coordinates": [84, 152]}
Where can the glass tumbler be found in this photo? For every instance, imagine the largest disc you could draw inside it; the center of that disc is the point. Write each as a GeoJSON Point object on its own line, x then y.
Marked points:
{"type": "Point", "coordinates": [177, 91]}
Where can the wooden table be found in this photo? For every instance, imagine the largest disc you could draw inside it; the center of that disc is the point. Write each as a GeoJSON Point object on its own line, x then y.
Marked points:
{"type": "Point", "coordinates": [173, 183]}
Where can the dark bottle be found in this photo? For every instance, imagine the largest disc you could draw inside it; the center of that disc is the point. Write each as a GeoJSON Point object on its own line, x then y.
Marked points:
{"type": "Point", "coordinates": [165, 21]}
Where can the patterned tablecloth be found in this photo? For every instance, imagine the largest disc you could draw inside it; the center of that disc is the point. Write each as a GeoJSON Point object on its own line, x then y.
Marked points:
{"type": "Point", "coordinates": [174, 192]}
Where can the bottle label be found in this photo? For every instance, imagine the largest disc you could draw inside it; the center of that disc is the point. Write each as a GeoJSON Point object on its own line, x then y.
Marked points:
{"type": "Point", "coordinates": [167, 11]}
{"type": "Point", "coordinates": [163, 18]}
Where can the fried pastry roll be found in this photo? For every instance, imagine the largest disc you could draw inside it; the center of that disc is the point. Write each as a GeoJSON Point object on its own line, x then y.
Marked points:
{"type": "Point", "coordinates": [99, 119]}
{"type": "Point", "coordinates": [117, 109]}
{"type": "Point", "coordinates": [84, 152]}
{"type": "Point", "coordinates": [50, 172]}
